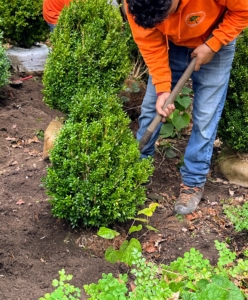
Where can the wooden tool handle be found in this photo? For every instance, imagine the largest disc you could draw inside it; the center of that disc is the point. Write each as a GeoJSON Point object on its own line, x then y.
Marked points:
{"type": "Point", "coordinates": [178, 87]}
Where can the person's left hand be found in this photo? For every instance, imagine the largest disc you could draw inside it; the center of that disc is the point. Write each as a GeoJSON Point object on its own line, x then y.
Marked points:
{"type": "Point", "coordinates": [203, 55]}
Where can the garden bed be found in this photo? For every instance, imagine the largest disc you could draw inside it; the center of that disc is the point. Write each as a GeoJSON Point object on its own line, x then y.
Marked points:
{"type": "Point", "coordinates": [34, 246]}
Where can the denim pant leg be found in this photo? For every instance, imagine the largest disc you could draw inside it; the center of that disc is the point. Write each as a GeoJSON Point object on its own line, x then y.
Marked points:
{"type": "Point", "coordinates": [148, 113]}
{"type": "Point", "coordinates": [210, 86]}
{"type": "Point", "coordinates": [51, 26]}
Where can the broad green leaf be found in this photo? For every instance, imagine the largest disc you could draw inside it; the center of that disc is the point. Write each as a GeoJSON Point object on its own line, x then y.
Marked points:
{"type": "Point", "coordinates": [151, 228]}
{"type": "Point", "coordinates": [141, 220]}
{"type": "Point", "coordinates": [135, 228]}
{"type": "Point", "coordinates": [167, 130]}
{"type": "Point", "coordinates": [107, 233]}
{"type": "Point", "coordinates": [180, 121]}
{"type": "Point", "coordinates": [184, 101]}
{"type": "Point", "coordinates": [221, 288]}
{"type": "Point", "coordinates": [127, 256]}
{"type": "Point", "coordinates": [148, 211]}
{"type": "Point", "coordinates": [112, 255]}
{"type": "Point", "coordinates": [186, 90]}
{"type": "Point", "coordinates": [191, 286]}
{"type": "Point", "coordinates": [124, 246]}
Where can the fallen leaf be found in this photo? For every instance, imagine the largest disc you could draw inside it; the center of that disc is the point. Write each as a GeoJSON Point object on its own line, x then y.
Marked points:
{"type": "Point", "coordinates": [33, 140]}
{"type": "Point", "coordinates": [149, 248]}
{"type": "Point", "coordinates": [13, 163]}
{"type": "Point", "coordinates": [192, 216]}
{"type": "Point", "coordinates": [20, 202]}
{"type": "Point", "coordinates": [132, 286]}
{"type": "Point", "coordinates": [10, 139]}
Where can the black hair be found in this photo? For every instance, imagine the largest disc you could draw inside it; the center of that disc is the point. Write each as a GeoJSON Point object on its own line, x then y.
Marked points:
{"type": "Point", "coordinates": [149, 13]}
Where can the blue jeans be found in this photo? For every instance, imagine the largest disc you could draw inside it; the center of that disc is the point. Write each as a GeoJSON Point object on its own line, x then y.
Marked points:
{"type": "Point", "coordinates": [51, 26]}
{"type": "Point", "coordinates": [210, 86]}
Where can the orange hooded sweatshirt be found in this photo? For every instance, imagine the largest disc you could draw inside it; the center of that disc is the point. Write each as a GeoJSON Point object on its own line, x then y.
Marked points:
{"type": "Point", "coordinates": [189, 26]}
{"type": "Point", "coordinates": [52, 10]}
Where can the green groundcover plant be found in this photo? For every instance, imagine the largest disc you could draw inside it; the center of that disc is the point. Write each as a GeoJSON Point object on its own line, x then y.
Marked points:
{"type": "Point", "coordinates": [238, 215]}
{"type": "Point", "coordinates": [4, 65]}
{"type": "Point", "coordinates": [22, 23]}
{"type": "Point", "coordinates": [96, 175]}
{"type": "Point", "coordinates": [89, 49]}
{"type": "Point", "coordinates": [190, 277]}
{"type": "Point", "coordinates": [233, 129]}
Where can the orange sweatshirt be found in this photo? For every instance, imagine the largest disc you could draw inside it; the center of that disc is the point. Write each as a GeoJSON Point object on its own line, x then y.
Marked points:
{"type": "Point", "coordinates": [52, 10]}
{"type": "Point", "coordinates": [189, 26]}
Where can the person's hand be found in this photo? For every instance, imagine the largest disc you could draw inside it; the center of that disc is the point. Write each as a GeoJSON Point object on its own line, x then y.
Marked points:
{"type": "Point", "coordinates": [159, 106]}
{"type": "Point", "coordinates": [203, 55]}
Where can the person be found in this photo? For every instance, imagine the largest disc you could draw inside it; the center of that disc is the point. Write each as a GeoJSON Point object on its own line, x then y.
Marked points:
{"type": "Point", "coordinates": [53, 8]}
{"type": "Point", "coordinates": [169, 33]}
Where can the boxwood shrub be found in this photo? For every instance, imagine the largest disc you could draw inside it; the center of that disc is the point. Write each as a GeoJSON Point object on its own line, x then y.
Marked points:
{"type": "Point", "coordinates": [96, 175]}
{"type": "Point", "coordinates": [22, 22]}
{"type": "Point", "coordinates": [4, 65]}
{"type": "Point", "coordinates": [233, 128]}
{"type": "Point", "coordinates": [89, 48]}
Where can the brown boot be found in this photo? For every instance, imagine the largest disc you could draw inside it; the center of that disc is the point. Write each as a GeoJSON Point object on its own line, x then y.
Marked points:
{"type": "Point", "coordinates": [188, 199]}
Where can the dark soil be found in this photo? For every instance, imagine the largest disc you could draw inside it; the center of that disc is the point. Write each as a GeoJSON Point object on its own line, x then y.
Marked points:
{"type": "Point", "coordinates": [34, 245]}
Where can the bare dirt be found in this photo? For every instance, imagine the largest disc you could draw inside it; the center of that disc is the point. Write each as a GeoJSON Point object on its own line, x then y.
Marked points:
{"type": "Point", "coordinates": [34, 245]}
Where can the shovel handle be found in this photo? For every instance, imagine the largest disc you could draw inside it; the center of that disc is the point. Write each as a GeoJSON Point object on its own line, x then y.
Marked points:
{"type": "Point", "coordinates": [178, 87]}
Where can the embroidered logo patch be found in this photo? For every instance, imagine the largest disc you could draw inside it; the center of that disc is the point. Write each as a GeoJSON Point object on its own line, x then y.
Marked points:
{"type": "Point", "coordinates": [195, 19]}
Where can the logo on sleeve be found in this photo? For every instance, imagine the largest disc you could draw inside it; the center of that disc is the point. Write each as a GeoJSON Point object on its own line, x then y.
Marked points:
{"type": "Point", "coordinates": [195, 19]}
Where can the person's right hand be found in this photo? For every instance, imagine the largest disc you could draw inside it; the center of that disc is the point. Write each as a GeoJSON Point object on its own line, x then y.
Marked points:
{"type": "Point", "coordinates": [159, 106]}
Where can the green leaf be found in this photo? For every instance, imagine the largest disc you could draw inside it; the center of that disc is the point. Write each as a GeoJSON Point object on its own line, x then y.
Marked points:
{"type": "Point", "coordinates": [151, 228]}
{"type": "Point", "coordinates": [191, 286]}
{"type": "Point", "coordinates": [180, 121]}
{"type": "Point", "coordinates": [128, 256]}
{"type": "Point", "coordinates": [148, 211]}
{"type": "Point", "coordinates": [141, 220]}
{"type": "Point", "coordinates": [107, 233]}
{"type": "Point", "coordinates": [170, 153]}
{"type": "Point", "coordinates": [125, 99]}
{"type": "Point", "coordinates": [112, 255]}
{"type": "Point", "coordinates": [167, 130]}
{"type": "Point", "coordinates": [135, 228]}
{"type": "Point", "coordinates": [183, 101]}
{"type": "Point", "coordinates": [221, 288]}
{"type": "Point", "coordinates": [186, 90]}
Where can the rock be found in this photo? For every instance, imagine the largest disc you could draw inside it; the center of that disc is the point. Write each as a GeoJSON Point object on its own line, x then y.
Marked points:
{"type": "Point", "coordinates": [233, 166]}
{"type": "Point", "coordinates": [50, 135]}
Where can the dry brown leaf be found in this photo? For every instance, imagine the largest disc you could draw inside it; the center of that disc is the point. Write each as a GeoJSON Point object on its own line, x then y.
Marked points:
{"type": "Point", "coordinates": [33, 140]}
{"type": "Point", "coordinates": [13, 163]}
{"type": "Point", "coordinates": [20, 202]}
{"type": "Point", "coordinates": [10, 139]}
{"type": "Point", "coordinates": [132, 286]}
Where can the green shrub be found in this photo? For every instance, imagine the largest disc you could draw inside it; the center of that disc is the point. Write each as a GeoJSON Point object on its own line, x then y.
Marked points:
{"type": "Point", "coordinates": [89, 50]}
{"type": "Point", "coordinates": [233, 129]}
{"type": "Point", "coordinates": [96, 175]}
{"type": "Point", "coordinates": [22, 22]}
{"type": "Point", "coordinates": [4, 66]}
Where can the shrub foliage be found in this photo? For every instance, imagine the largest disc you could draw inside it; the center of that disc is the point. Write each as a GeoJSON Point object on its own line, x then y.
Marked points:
{"type": "Point", "coordinates": [96, 175]}
{"type": "Point", "coordinates": [90, 48]}
{"type": "Point", "coordinates": [233, 128]}
{"type": "Point", "coordinates": [4, 66]}
{"type": "Point", "coordinates": [22, 22]}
